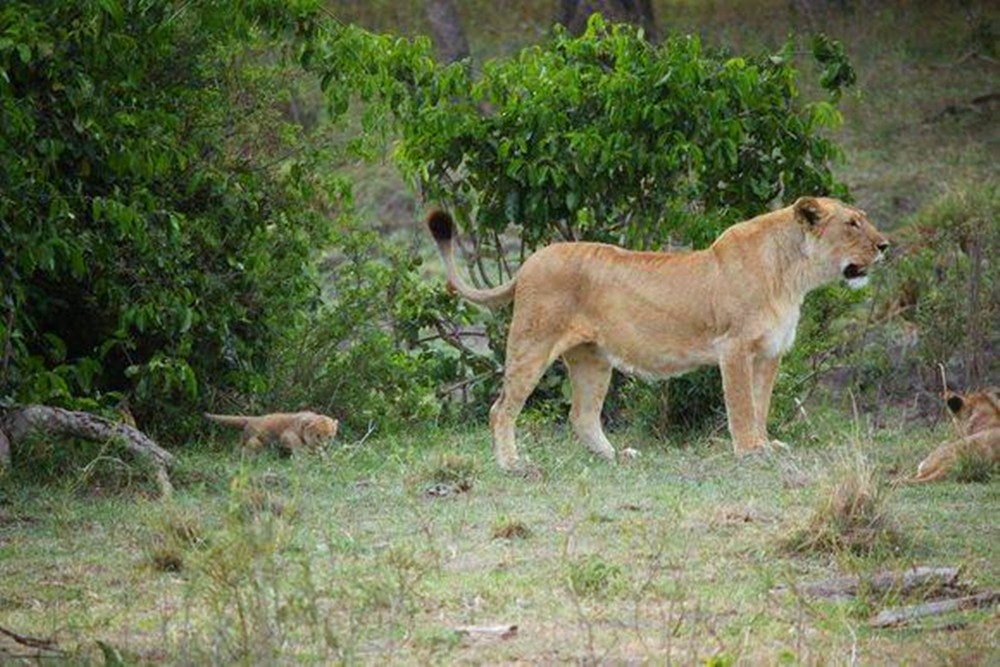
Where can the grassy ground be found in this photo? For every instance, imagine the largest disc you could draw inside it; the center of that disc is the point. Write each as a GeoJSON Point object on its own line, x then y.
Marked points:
{"type": "Point", "coordinates": [382, 551]}
{"type": "Point", "coordinates": [379, 552]}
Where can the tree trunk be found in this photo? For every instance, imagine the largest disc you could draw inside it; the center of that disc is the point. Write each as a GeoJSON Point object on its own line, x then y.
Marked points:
{"type": "Point", "coordinates": [22, 421]}
{"type": "Point", "coordinates": [449, 38]}
{"type": "Point", "coordinates": [574, 14]}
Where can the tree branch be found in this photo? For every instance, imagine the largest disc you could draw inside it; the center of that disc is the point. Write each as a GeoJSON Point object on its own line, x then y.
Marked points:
{"type": "Point", "coordinates": [22, 421]}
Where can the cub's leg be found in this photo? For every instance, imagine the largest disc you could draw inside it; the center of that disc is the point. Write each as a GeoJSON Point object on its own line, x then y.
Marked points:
{"type": "Point", "coordinates": [765, 370]}
{"type": "Point", "coordinates": [984, 445]}
{"type": "Point", "coordinates": [938, 463]}
{"type": "Point", "coordinates": [290, 440]}
{"type": "Point", "coordinates": [590, 375]}
{"type": "Point", "coordinates": [252, 440]}
{"type": "Point", "coordinates": [738, 388]}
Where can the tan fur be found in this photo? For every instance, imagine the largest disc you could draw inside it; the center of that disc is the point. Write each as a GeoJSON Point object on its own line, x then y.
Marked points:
{"type": "Point", "coordinates": [291, 430]}
{"type": "Point", "coordinates": [977, 416]}
{"type": "Point", "coordinates": [735, 304]}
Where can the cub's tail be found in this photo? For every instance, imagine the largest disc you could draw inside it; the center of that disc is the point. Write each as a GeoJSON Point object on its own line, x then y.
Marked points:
{"type": "Point", "coordinates": [443, 229]}
{"type": "Point", "coordinates": [228, 420]}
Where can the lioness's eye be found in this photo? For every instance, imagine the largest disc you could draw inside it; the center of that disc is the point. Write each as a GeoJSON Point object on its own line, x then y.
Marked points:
{"type": "Point", "coordinates": [853, 222]}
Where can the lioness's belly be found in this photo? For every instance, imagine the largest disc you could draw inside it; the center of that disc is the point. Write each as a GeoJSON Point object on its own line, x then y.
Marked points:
{"type": "Point", "coordinates": [658, 363]}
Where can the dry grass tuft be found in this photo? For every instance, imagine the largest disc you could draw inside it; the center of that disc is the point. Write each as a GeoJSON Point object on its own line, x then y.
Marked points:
{"type": "Point", "coordinates": [852, 515]}
{"type": "Point", "coordinates": [974, 468]}
{"type": "Point", "coordinates": [511, 529]}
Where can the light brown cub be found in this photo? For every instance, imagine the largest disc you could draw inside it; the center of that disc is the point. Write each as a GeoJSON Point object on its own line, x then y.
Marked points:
{"type": "Point", "coordinates": [978, 418]}
{"type": "Point", "coordinates": [291, 430]}
{"type": "Point", "coordinates": [735, 305]}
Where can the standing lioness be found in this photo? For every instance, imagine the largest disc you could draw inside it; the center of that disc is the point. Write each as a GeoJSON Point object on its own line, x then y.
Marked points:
{"type": "Point", "coordinates": [735, 304]}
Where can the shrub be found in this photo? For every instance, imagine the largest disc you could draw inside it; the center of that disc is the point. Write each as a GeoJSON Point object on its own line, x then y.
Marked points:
{"type": "Point", "coordinates": [947, 286]}
{"type": "Point", "coordinates": [360, 357]}
{"type": "Point", "coordinates": [152, 243]}
{"type": "Point", "coordinates": [592, 576]}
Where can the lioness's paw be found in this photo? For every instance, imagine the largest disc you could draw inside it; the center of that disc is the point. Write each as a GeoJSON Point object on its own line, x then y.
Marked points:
{"type": "Point", "coordinates": [762, 447]}
{"type": "Point", "coordinates": [778, 444]}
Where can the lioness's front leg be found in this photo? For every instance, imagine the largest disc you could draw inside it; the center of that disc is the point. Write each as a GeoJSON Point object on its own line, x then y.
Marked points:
{"type": "Point", "coordinates": [738, 388]}
{"type": "Point", "coordinates": [765, 370]}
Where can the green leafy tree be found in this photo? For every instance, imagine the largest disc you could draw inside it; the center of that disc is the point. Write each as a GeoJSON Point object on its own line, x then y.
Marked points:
{"type": "Point", "coordinates": [152, 240]}
{"type": "Point", "coordinates": [607, 137]}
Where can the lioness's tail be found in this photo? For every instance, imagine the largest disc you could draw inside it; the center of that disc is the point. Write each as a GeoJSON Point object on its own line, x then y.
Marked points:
{"type": "Point", "coordinates": [443, 229]}
{"type": "Point", "coordinates": [229, 420]}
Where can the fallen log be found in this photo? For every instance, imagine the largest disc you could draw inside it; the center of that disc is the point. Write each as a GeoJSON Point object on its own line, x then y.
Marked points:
{"type": "Point", "coordinates": [891, 617]}
{"type": "Point", "coordinates": [24, 420]}
{"type": "Point", "coordinates": [881, 582]}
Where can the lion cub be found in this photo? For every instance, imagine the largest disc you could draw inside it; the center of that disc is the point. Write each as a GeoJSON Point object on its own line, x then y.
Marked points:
{"type": "Point", "coordinates": [978, 417]}
{"type": "Point", "coordinates": [291, 430]}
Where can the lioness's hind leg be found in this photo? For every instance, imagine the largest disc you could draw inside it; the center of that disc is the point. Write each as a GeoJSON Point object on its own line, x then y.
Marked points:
{"type": "Point", "coordinates": [590, 375]}
{"type": "Point", "coordinates": [523, 371]}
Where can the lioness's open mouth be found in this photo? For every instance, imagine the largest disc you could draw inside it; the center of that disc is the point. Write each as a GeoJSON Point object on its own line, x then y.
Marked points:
{"type": "Point", "coordinates": [852, 271]}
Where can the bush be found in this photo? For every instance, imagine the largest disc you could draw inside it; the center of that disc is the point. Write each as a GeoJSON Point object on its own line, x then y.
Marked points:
{"type": "Point", "coordinates": [947, 286]}
{"type": "Point", "coordinates": [361, 357]}
{"type": "Point", "coordinates": [152, 244]}
{"type": "Point", "coordinates": [935, 307]}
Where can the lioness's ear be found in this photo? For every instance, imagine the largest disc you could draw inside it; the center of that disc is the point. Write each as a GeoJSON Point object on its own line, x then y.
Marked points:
{"type": "Point", "coordinates": [955, 403]}
{"type": "Point", "coordinates": [808, 210]}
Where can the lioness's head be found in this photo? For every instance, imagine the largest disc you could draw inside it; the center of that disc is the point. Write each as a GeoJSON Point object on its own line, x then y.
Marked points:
{"type": "Point", "coordinates": [977, 411]}
{"type": "Point", "coordinates": [843, 234]}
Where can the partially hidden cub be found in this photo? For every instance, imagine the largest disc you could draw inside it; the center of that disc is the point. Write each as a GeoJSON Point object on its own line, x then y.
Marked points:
{"type": "Point", "coordinates": [291, 430]}
{"type": "Point", "coordinates": [978, 418]}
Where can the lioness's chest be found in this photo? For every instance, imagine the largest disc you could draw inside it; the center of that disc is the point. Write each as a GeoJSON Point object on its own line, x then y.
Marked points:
{"type": "Point", "coordinates": [779, 337]}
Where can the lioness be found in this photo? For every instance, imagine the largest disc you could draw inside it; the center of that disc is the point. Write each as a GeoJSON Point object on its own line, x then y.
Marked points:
{"type": "Point", "coordinates": [291, 430]}
{"type": "Point", "coordinates": [978, 418]}
{"type": "Point", "coordinates": [735, 304]}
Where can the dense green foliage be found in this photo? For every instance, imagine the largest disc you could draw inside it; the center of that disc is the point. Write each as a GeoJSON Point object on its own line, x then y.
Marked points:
{"type": "Point", "coordinates": [149, 247]}
{"type": "Point", "coordinates": [941, 301]}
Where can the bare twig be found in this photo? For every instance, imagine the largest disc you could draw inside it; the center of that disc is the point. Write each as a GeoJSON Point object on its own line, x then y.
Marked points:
{"type": "Point", "coordinates": [371, 429]}
{"type": "Point", "coordinates": [47, 644]}
{"type": "Point", "coordinates": [462, 384]}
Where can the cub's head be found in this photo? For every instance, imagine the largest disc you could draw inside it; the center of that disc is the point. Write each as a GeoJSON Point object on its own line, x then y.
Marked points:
{"type": "Point", "coordinates": [977, 411]}
{"type": "Point", "coordinates": [843, 236]}
{"type": "Point", "coordinates": [319, 429]}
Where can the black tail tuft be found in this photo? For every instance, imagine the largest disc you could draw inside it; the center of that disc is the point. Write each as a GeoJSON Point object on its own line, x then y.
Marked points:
{"type": "Point", "coordinates": [441, 225]}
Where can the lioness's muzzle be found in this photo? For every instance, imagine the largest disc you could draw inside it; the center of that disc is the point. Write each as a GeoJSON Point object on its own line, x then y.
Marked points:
{"type": "Point", "coordinates": [854, 271]}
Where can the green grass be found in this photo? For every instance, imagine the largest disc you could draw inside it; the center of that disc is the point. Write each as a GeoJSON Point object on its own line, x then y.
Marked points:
{"type": "Point", "coordinates": [359, 556]}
